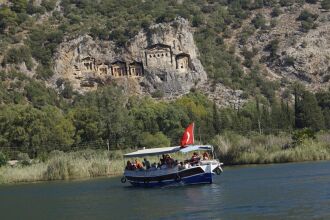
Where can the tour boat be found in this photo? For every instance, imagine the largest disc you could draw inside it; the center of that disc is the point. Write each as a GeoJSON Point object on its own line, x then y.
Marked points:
{"type": "Point", "coordinates": [199, 172]}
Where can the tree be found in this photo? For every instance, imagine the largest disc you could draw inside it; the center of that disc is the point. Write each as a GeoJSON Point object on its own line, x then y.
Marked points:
{"type": "Point", "coordinates": [7, 18]}
{"type": "Point", "coordinates": [34, 130]}
{"type": "Point", "coordinates": [325, 4]}
{"type": "Point", "coordinates": [115, 121]}
{"type": "Point", "coordinates": [3, 159]}
{"type": "Point", "coordinates": [259, 21]}
{"type": "Point", "coordinates": [19, 6]}
{"type": "Point", "coordinates": [273, 47]}
{"type": "Point", "coordinates": [307, 112]}
{"type": "Point", "coordinates": [216, 119]}
{"type": "Point", "coordinates": [323, 99]}
{"type": "Point", "coordinates": [153, 140]}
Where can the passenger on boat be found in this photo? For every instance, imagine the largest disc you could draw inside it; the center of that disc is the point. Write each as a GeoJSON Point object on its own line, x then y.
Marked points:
{"type": "Point", "coordinates": [205, 156]}
{"type": "Point", "coordinates": [138, 164]}
{"type": "Point", "coordinates": [146, 163]}
{"type": "Point", "coordinates": [195, 159]}
{"type": "Point", "coordinates": [181, 166]}
{"type": "Point", "coordinates": [169, 161]}
{"type": "Point", "coordinates": [187, 165]}
{"type": "Point", "coordinates": [129, 166]}
{"type": "Point", "coordinates": [162, 160]}
{"type": "Point", "coordinates": [153, 166]}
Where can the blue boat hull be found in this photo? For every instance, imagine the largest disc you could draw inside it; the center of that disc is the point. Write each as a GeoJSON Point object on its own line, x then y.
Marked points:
{"type": "Point", "coordinates": [201, 178]}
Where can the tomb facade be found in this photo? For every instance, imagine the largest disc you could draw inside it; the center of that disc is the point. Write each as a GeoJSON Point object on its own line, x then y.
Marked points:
{"type": "Point", "coordinates": [182, 61]}
{"type": "Point", "coordinates": [88, 64]}
{"type": "Point", "coordinates": [159, 56]}
{"type": "Point", "coordinates": [156, 56]}
{"type": "Point", "coordinates": [102, 69]}
{"type": "Point", "coordinates": [118, 69]}
{"type": "Point", "coordinates": [136, 69]}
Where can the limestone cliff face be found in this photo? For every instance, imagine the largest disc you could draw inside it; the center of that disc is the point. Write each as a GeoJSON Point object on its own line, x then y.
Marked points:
{"type": "Point", "coordinates": [163, 58]}
{"type": "Point", "coordinates": [300, 56]}
{"type": "Point", "coordinates": [304, 56]}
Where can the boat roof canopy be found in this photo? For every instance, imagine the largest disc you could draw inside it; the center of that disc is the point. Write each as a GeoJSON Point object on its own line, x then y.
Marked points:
{"type": "Point", "coordinates": [196, 147]}
{"type": "Point", "coordinates": [167, 150]}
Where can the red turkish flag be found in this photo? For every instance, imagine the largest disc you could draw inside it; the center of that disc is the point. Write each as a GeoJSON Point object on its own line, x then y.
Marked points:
{"type": "Point", "coordinates": [188, 136]}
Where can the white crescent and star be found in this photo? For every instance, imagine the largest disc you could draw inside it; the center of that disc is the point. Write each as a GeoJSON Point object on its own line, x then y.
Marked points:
{"type": "Point", "coordinates": [188, 134]}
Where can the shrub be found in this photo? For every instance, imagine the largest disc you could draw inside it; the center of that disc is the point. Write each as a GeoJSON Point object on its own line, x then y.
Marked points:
{"type": "Point", "coordinates": [154, 140]}
{"type": "Point", "coordinates": [276, 12]}
{"type": "Point", "coordinates": [307, 25]}
{"type": "Point", "coordinates": [285, 3]}
{"type": "Point", "coordinates": [49, 4]}
{"type": "Point", "coordinates": [259, 21]}
{"type": "Point", "coordinates": [311, 1]}
{"type": "Point", "coordinates": [272, 47]}
{"type": "Point", "coordinates": [305, 15]}
{"type": "Point", "coordinates": [44, 72]}
{"type": "Point", "coordinates": [19, 55]}
{"type": "Point", "coordinates": [24, 159]}
{"type": "Point", "coordinates": [300, 135]}
{"type": "Point", "coordinates": [289, 61]}
{"type": "Point", "coordinates": [3, 159]}
{"type": "Point", "coordinates": [67, 92]}
{"type": "Point", "coordinates": [325, 4]}
{"type": "Point", "coordinates": [158, 94]}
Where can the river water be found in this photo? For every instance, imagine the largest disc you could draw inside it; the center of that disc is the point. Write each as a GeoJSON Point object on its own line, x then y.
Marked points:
{"type": "Point", "coordinates": [282, 191]}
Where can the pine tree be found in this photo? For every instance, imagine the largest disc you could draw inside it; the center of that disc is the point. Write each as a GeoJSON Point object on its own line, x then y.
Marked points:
{"type": "Point", "coordinates": [297, 109]}
{"type": "Point", "coordinates": [216, 119]}
{"type": "Point", "coordinates": [307, 112]}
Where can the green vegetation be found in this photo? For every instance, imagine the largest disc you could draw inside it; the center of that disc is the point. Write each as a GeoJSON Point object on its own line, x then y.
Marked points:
{"type": "Point", "coordinates": [119, 21]}
{"type": "Point", "coordinates": [63, 166]}
{"type": "Point", "coordinates": [325, 4]}
{"type": "Point", "coordinates": [36, 122]}
{"type": "Point", "coordinates": [261, 149]}
{"type": "Point", "coordinates": [307, 20]}
{"type": "Point", "coordinates": [3, 159]}
{"type": "Point", "coordinates": [232, 148]}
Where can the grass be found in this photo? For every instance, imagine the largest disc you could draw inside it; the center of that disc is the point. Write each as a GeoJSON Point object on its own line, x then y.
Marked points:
{"type": "Point", "coordinates": [262, 149]}
{"type": "Point", "coordinates": [65, 166]}
{"type": "Point", "coordinates": [232, 148]}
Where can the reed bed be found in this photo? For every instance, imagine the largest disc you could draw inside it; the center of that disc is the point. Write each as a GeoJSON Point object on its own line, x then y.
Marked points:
{"type": "Point", "coordinates": [262, 149]}
{"type": "Point", "coordinates": [65, 166]}
{"type": "Point", "coordinates": [230, 147]}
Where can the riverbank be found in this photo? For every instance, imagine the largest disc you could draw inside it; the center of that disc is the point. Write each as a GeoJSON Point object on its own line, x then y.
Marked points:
{"type": "Point", "coordinates": [232, 149]}
{"type": "Point", "coordinates": [65, 166]}
{"type": "Point", "coordinates": [236, 149]}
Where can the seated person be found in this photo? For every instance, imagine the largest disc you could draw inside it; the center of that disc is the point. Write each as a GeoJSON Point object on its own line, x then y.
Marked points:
{"type": "Point", "coordinates": [162, 160]}
{"type": "Point", "coordinates": [129, 166]}
{"type": "Point", "coordinates": [181, 166]}
{"type": "Point", "coordinates": [205, 156]}
{"type": "Point", "coordinates": [146, 163]}
{"type": "Point", "coordinates": [187, 165]}
{"type": "Point", "coordinates": [194, 159]}
{"type": "Point", "coordinates": [138, 164]}
{"type": "Point", "coordinates": [169, 161]}
{"type": "Point", "coordinates": [153, 166]}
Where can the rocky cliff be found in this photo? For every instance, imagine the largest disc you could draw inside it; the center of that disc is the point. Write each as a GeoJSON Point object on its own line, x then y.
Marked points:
{"type": "Point", "coordinates": [298, 54]}
{"type": "Point", "coordinates": [162, 59]}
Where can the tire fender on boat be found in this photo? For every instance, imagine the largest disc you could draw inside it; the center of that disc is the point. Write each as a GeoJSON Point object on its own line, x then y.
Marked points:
{"type": "Point", "coordinates": [178, 178]}
{"type": "Point", "coordinates": [123, 179]}
{"type": "Point", "coordinates": [218, 171]}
